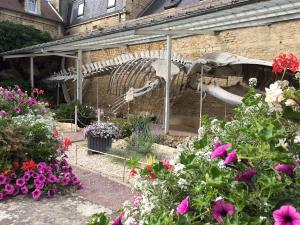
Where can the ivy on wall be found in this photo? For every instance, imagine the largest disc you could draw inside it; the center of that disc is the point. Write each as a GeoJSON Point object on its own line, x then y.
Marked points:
{"type": "Point", "coordinates": [15, 36]}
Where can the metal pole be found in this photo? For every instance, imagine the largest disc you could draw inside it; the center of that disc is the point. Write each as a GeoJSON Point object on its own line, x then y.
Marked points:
{"type": "Point", "coordinates": [76, 154]}
{"type": "Point", "coordinates": [76, 117]}
{"type": "Point", "coordinates": [98, 114]}
{"type": "Point", "coordinates": [168, 78]}
{"type": "Point", "coordinates": [57, 97]}
{"type": "Point", "coordinates": [31, 72]}
{"type": "Point", "coordinates": [79, 76]}
{"type": "Point", "coordinates": [98, 109]}
{"type": "Point", "coordinates": [201, 96]}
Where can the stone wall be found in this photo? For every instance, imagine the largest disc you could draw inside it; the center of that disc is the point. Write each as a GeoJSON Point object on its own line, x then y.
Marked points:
{"type": "Point", "coordinates": [52, 27]}
{"type": "Point", "coordinates": [96, 24]}
{"type": "Point", "coordinates": [135, 7]}
{"type": "Point", "coordinates": [263, 42]}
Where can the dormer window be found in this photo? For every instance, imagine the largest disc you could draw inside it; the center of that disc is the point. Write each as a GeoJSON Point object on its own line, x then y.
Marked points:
{"type": "Point", "coordinates": [32, 6]}
{"type": "Point", "coordinates": [80, 9]}
{"type": "Point", "coordinates": [111, 3]}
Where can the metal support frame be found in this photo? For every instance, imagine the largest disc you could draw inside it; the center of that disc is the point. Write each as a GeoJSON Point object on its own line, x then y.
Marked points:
{"type": "Point", "coordinates": [32, 72]}
{"type": "Point", "coordinates": [38, 55]}
{"type": "Point", "coordinates": [168, 79]}
{"type": "Point", "coordinates": [79, 76]}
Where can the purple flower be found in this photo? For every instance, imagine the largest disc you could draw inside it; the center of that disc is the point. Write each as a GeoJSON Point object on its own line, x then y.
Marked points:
{"type": "Point", "coordinates": [36, 194]}
{"type": "Point", "coordinates": [221, 209]}
{"type": "Point", "coordinates": [38, 183]}
{"type": "Point", "coordinates": [41, 177]}
{"type": "Point", "coordinates": [17, 86]}
{"type": "Point", "coordinates": [42, 167]}
{"type": "Point", "coordinates": [27, 176]}
{"type": "Point", "coordinates": [24, 189]}
{"type": "Point", "coordinates": [9, 189]}
{"type": "Point", "coordinates": [52, 179]}
{"type": "Point", "coordinates": [32, 101]}
{"type": "Point", "coordinates": [286, 169]}
{"type": "Point", "coordinates": [75, 180]}
{"type": "Point", "coordinates": [1, 196]}
{"type": "Point", "coordinates": [286, 215]}
{"type": "Point", "coordinates": [247, 176]}
{"type": "Point", "coordinates": [13, 175]}
{"type": "Point", "coordinates": [3, 179]}
{"type": "Point", "coordinates": [231, 158]}
{"type": "Point", "coordinates": [3, 113]}
{"type": "Point", "coordinates": [64, 181]}
{"type": "Point", "coordinates": [16, 191]}
{"type": "Point", "coordinates": [20, 182]}
{"type": "Point", "coordinates": [184, 207]}
{"type": "Point", "coordinates": [217, 144]}
{"type": "Point", "coordinates": [220, 152]}
{"type": "Point", "coordinates": [118, 220]}
{"type": "Point", "coordinates": [17, 110]}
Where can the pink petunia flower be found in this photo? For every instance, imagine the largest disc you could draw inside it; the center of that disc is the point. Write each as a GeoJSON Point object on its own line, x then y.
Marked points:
{"type": "Point", "coordinates": [118, 220]}
{"type": "Point", "coordinates": [36, 194]}
{"type": "Point", "coordinates": [286, 215]}
{"type": "Point", "coordinates": [231, 158]}
{"type": "Point", "coordinates": [221, 209]}
{"type": "Point", "coordinates": [247, 176]}
{"type": "Point", "coordinates": [20, 182]}
{"type": "Point", "coordinates": [184, 207]}
{"type": "Point", "coordinates": [220, 152]}
{"type": "Point", "coordinates": [286, 169]}
{"type": "Point", "coordinates": [24, 190]}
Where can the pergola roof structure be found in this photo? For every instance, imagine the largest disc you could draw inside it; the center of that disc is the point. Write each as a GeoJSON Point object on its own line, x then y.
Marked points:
{"type": "Point", "coordinates": [234, 14]}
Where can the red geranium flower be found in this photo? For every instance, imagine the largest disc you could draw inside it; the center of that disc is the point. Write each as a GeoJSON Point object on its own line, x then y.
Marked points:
{"type": "Point", "coordinates": [67, 143]}
{"type": "Point", "coordinates": [152, 176]}
{"type": "Point", "coordinates": [38, 91]}
{"type": "Point", "coordinates": [133, 173]}
{"type": "Point", "coordinates": [30, 165]}
{"type": "Point", "coordinates": [55, 133]}
{"type": "Point", "coordinates": [148, 168]}
{"type": "Point", "coordinates": [285, 62]}
{"type": "Point", "coordinates": [167, 165]}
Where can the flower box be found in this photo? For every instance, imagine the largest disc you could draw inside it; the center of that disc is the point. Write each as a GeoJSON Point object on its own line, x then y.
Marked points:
{"type": "Point", "coordinates": [100, 136]}
{"type": "Point", "coordinates": [99, 144]}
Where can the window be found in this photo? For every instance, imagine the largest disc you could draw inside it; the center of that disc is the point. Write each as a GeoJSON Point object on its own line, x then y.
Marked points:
{"type": "Point", "coordinates": [80, 9]}
{"type": "Point", "coordinates": [111, 3]}
{"type": "Point", "coordinates": [32, 6]}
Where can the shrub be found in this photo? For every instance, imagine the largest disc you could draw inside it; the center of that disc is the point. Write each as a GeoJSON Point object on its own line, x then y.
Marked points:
{"type": "Point", "coordinates": [244, 171]}
{"type": "Point", "coordinates": [86, 114]}
{"type": "Point", "coordinates": [15, 36]}
{"type": "Point", "coordinates": [32, 154]}
{"type": "Point", "coordinates": [99, 219]}
{"type": "Point", "coordinates": [141, 142]}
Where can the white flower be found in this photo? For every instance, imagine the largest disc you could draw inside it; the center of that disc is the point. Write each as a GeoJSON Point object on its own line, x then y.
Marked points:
{"type": "Point", "coordinates": [252, 82]}
{"type": "Point", "coordinates": [290, 102]}
{"type": "Point", "coordinates": [201, 132]}
{"type": "Point", "coordinates": [178, 168]}
{"type": "Point", "coordinates": [274, 95]}
{"type": "Point", "coordinates": [219, 198]}
{"type": "Point", "coordinates": [282, 143]}
{"type": "Point", "coordinates": [297, 139]}
{"type": "Point", "coordinates": [183, 184]}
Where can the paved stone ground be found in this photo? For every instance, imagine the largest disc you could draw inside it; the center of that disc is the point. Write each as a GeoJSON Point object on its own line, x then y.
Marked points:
{"type": "Point", "coordinates": [99, 195]}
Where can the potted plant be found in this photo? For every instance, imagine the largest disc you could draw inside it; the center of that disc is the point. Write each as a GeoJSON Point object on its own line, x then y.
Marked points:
{"type": "Point", "coordinates": [100, 135]}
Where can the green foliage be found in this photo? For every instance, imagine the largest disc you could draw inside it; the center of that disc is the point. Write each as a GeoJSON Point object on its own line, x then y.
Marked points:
{"type": "Point", "coordinates": [15, 36]}
{"type": "Point", "coordinates": [24, 85]}
{"type": "Point", "coordinates": [99, 219]}
{"type": "Point", "coordinates": [141, 142]}
{"type": "Point", "coordinates": [86, 114]}
{"type": "Point", "coordinates": [262, 140]}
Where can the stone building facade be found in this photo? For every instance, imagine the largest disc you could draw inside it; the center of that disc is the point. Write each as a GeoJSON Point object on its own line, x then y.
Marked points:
{"type": "Point", "coordinates": [37, 13]}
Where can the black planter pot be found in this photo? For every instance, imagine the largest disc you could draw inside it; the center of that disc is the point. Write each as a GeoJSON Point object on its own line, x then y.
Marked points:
{"type": "Point", "coordinates": [99, 144]}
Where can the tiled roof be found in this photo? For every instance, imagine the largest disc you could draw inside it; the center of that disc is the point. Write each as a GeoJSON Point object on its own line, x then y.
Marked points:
{"type": "Point", "coordinates": [16, 5]}
{"type": "Point", "coordinates": [158, 6]}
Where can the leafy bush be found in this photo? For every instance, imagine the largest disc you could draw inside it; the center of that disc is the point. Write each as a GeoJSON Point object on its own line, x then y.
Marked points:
{"type": "Point", "coordinates": [141, 142]}
{"type": "Point", "coordinates": [15, 36]}
{"type": "Point", "coordinates": [32, 154]}
{"type": "Point", "coordinates": [99, 219]}
{"type": "Point", "coordinates": [86, 114]}
{"type": "Point", "coordinates": [245, 171]}
{"type": "Point", "coordinates": [134, 123]}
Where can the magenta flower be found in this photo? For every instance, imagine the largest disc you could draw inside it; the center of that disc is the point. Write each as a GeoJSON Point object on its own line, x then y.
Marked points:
{"type": "Point", "coordinates": [220, 152]}
{"type": "Point", "coordinates": [16, 191]}
{"type": "Point", "coordinates": [3, 113]}
{"type": "Point", "coordinates": [38, 184]}
{"type": "Point", "coordinates": [9, 189]}
{"type": "Point", "coordinates": [184, 207]}
{"type": "Point", "coordinates": [231, 158]}
{"type": "Point", "coordinates": [75, 180]}
{"type": "Point", "coordinates": [3, 179]}
{"type": "Point", "coordinates": [41, 177]}
{"type": "Point", "coordinates": [20, 182]}
{"type": "Point", "coordinates": [13, 175]}
{"type": "Point", "coordinates": [1, 196]}
{"type": "Point", "coordinates": [17, 110]}
{"type": "Point", "coordinates": [286, 169]}
{"type": "Point", "coordinates": [286, 215]}
{"type": "Point", "coordinates": [24, 189]}
{"type": "Point", "coordinates": [27, 176]}
{"type": "Point", "coordinates": [64, 181]}
{"type": "Point", "coordinates": [217, 144]}
{"type": "Point", "coordinates": [247, 176]}
{"type": "Point", "coordinates": [221, 209]}
{"type": "Point", "coordinates": [36, 194]}
{"type": "Point", "coordinates": [50, 193]}
{"type": "Point", "coordinates": [52, 179]}
{"type": "Point", "coordinates": [118, 220]}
